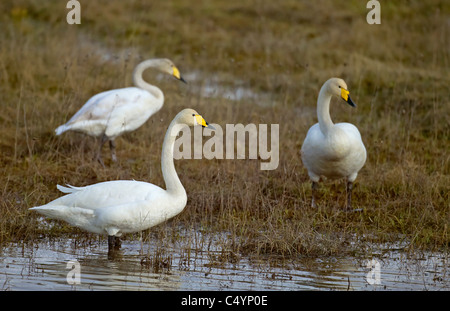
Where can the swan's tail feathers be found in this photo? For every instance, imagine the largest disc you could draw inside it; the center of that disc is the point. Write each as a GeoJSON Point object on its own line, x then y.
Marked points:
{"type": "Point", "coordinates": [62, 212]}
{"type": "Point", "coordinates": [68, 189]}
{"type": "Point", "coordinates": [61, 129]}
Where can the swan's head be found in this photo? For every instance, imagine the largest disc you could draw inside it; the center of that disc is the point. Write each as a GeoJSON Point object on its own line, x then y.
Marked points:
{"type": "Point", "coordinates": [167, 66]}
{"type": "Point", "coordinates": [190, 117]}
{"type": "Point", "coordinates": [338, 87]}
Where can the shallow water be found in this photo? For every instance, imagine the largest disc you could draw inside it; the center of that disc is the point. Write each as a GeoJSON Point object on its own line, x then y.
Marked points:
{"type": "Point", "coordinates": [44, 266]}
{"type": "Point", "coordinates": [208, 86]}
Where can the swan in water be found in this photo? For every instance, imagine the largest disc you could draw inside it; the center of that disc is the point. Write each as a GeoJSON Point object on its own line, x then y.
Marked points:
{"type": "Point", "coordinates": [333, 150]}
{"type": "Point", "coordinates": [112, 113]}
{"type": "Point", "coordinates": [125, 206]}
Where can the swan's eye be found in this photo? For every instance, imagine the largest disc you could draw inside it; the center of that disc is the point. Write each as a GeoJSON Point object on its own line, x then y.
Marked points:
{"type": "Point", "coordinates": [193, 114]}
{"type": "Point", "coordinates": [339, 86]}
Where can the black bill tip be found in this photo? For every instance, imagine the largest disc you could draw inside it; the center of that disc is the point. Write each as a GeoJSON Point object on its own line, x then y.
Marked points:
{"type": "Point", "coordinates": [350, 102]}
{"type": "Point", "coordinates": [209, 126]}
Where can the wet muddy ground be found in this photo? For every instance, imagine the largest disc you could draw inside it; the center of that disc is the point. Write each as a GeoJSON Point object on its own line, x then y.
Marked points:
{"type": "Point", "coordinates": [64, 265]}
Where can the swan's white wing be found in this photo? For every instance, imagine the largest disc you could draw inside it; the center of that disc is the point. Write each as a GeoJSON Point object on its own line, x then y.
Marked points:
{"type": "Point", "coordinates": [100, 106]}
{"type": "Point", "coordinates": [341, 154]}
{"type": "Point", "coordinates": [316, 144]}
{"type": "Point", "coordinates": [351, 130]}
{"type": "Point", "coordinates": [113, 206]}
{"type": "Point", "coordinates": [131, 113]}
{"type": "Point", "coordinates": [313, 143]}
{"type": "Point", "coordinates": [113, 112]}
{"type": "Point", "coordinates": [358, 154]}
{"type": "Point", "coordinates": [108, 194]}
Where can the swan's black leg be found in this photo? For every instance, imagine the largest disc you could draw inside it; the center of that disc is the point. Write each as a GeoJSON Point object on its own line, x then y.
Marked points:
{"type": "Point", "coordinates": [114, 243]}
{"type": "Point", "coordinates": [111, 242]}
{"type": "Point", "coordinates": [99, 153]}
{"type": "Point", "coordinates": [112, 146]}
{"type": "Point", "coordinates": [349, 195]}
{"type": "Point", "coordinates": [314, 188]}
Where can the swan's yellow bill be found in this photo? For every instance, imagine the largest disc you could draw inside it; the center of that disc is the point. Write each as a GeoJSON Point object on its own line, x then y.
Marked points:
{"type": "Point", "coordinates": [200, 120]}
{"type": "Point", "coordinates": [176, 73]}
{"type": "Point", "coordinates": [344, 94]}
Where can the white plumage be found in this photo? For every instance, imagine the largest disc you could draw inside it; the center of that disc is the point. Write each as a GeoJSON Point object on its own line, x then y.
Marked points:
{"type": "Point", "coordinates": [113, 207]}
{"type": "Point", "coordinates": [333, 150]}
{"type": "Point", "coordinates": [115, 112]}
{"type": "Point", "coordinates": [125, 206]}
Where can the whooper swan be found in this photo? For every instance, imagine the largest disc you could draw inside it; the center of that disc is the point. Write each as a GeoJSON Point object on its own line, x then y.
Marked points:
{"type": "Point", "coordinates": [125, 206]}
{"type": "Point", "coordinates": [333, 150]}
{"type": "Point", "coordinates": [112, 113]}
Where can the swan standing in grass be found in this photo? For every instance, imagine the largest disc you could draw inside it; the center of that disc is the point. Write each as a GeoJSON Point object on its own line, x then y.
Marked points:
{"type": "Point", "coordinates": [125, 206]}
{"type": "Point", "coordinates": [112, 113]}
{"type": "Point", "coordinates": [333, 150]}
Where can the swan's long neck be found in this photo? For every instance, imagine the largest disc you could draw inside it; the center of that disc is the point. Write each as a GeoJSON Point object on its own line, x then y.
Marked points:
{"type": "Point", "coordinates": [138, 80]}
{"type": "Point", "coordinates": [173, 183]}
{"type": "Point", "coordinates": [323, 110]}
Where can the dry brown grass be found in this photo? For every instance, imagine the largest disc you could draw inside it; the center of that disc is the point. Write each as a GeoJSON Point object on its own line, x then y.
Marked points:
{"type": "Point", "coordinates": [397, 73]}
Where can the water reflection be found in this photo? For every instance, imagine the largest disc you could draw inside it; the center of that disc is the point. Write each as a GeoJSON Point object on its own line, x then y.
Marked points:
{"type": "Point", "coordinates": [43, 266]}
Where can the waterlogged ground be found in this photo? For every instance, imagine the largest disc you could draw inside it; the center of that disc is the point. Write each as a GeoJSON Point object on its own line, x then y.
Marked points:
{"type": "Point", "coordinates": [53, 265]}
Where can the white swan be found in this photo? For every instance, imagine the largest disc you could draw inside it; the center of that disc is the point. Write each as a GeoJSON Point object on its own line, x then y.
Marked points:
{"type": "Point", "coordinates": [112, 113]}
{"type": "Point", "coordinates": [333, 150]}
{"type": "Point", "coordinates": [125, 206]}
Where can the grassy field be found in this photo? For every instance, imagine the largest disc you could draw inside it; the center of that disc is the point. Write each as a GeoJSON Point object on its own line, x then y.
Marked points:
{"type": "Point", "coordinates": [282, 52]}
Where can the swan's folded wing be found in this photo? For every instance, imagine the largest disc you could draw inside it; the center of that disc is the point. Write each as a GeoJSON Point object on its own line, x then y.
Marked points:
{"type": "Point", "coordinates": [63, 212]}
{"type": "Point", "coordinates": [351, 130]}
{"type": "Point", "coordinates": [107, 194]}
{"type": "Point", "coordinates": [102, 105]}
